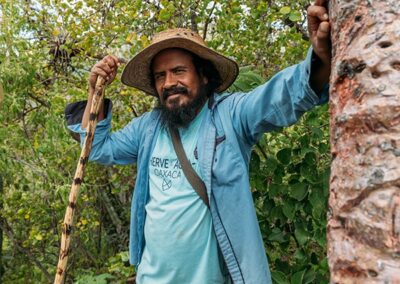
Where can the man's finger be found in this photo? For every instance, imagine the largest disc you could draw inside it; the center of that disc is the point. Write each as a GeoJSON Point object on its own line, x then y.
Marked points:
{"type": "Point", "coordinates": [100, 72]}
{"type": "Point", "coordinates": [323, 31]}
{"type": "Point", "coordinates": [116, 60]}
{"type": "Point", "coordinates": [318, 12]}
{"type": "Point", "coordinates": [105, 66]}
{"type": "Point", "coordinates": [111, 61]}
{"type": "Point", "coordinates": [323, 40]}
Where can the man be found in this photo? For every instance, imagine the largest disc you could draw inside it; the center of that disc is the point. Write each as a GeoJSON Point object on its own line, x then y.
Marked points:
{"type": "Point", "coordinates": [175, 237]}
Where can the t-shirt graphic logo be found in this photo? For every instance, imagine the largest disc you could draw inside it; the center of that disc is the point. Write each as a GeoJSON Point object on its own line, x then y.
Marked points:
{"type": "Point", "coordinates": [166, 184]}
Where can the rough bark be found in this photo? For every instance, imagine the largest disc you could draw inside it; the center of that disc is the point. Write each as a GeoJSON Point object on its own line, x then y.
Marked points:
{"type": "Point", "coordinates": [364, 216]}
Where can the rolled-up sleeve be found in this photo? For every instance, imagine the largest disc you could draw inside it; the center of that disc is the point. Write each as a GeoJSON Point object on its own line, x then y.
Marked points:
{"type": "Point", "coordinates": [278, 103]}
{"type": "Point", "coordinates": [108, 148]}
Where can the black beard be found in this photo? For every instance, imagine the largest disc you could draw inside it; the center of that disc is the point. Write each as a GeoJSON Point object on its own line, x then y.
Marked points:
{"type": "Point", "coordinates": [180, 117]}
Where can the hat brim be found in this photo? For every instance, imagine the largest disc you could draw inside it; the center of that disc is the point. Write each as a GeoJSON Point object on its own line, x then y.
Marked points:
{"type": "Point", "coordinates": [137, 72]}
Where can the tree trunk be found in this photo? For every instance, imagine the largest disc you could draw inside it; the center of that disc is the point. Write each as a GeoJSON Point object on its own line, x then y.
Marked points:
{"type": "Point", "coordinates": [364, 215]}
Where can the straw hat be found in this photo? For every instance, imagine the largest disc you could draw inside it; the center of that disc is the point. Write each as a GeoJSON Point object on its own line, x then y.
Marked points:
{"type": "Point", "coordinates": [137, 71]}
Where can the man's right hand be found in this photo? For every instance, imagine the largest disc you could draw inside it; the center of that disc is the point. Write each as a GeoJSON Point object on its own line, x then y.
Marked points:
{"type": "Point", "coordinates": [106, 68]}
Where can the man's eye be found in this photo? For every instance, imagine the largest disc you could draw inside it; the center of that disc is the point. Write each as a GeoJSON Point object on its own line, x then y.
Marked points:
{"type": "Point", "coordinates": [179, 71]}
{"type": "Point", "coordinates": [158, 76]}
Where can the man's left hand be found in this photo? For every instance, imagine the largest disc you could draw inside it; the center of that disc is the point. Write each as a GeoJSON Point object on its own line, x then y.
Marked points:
{"type": "Point", "coordinates": [319, 30]}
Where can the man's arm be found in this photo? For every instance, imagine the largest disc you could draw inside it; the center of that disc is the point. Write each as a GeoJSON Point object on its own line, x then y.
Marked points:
{"type": "Point", "coordinates": [106, 68]}
{"type": "Point", "coordinates": [108, 148]}
{"type": "Point", "coordinates": [280, 102]}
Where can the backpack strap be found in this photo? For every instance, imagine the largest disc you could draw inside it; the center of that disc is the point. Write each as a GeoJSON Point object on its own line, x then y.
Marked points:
{"type": "Point", "coordinates": [195, 181]}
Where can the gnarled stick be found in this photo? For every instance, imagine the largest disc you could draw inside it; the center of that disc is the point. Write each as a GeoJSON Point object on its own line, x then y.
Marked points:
{"type": "Point", "coordinates": [78, 178]}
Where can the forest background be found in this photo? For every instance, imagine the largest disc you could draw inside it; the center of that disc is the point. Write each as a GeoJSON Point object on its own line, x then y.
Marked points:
{"type": "Point", "coordinates": [46, 51]}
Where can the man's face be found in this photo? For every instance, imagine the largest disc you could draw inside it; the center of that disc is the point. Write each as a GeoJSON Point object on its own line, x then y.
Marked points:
{"type": "Point", "coordinates": [176, 80]}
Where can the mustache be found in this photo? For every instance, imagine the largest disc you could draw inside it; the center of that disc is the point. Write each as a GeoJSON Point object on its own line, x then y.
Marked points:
{"type": "Point", "coordinates": [174, 90]}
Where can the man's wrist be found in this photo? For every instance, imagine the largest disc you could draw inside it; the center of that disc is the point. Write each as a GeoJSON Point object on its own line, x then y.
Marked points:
{"type": "Point", "coordinates": [320, 72]}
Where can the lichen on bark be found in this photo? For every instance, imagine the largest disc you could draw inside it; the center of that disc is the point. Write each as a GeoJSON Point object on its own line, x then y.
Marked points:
{"type": "Point", "coordinates": [364, 221]}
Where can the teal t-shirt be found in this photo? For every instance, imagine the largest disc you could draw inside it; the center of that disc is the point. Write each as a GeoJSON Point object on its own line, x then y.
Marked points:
{"type": "Point", "coordinates": [181, 246]}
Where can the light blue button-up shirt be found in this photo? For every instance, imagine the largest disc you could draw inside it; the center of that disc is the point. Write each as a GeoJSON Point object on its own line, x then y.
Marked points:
{"type": "Point", "coordinates": [232, 125]}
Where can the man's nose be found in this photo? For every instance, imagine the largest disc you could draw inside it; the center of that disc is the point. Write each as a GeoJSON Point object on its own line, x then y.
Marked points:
{"type": "Point", "coordinates": [170, 80]}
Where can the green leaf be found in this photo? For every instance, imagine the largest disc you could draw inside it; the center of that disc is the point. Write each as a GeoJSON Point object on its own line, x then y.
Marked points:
{"type": "Point", "coordinates": [301, 235]}
{"type": "Point", "coordinates": [164, 15]}
{"type": "Point", "coordinates": [124, 256]}
{"type": "Point", "coordinates": [284, 156]}
{"type": "Point", "coordinates": [274, 189]}
{"type": "Point", "coordinates": [325, 182]}
{"type": "Point", "coordinates": [282, 265]}
{"type": "Point", "coordinates": [271, 164]}
{"type": "Point", "coordinates": [247, 80]}
{"type": "Point", "coordinates": [268, 205]}
{"type": "Point", "coordinates": [95, 279]}
{"type": "Point", "coordinates": [164, 3]}
{"type": "Point", "coordinates": [295, 16]}
{"type": "Point", "coordinates": [309, 276]}
{"type": "Point", "coordinates": [298, 191]}
{"type": "Point", "coordinates": [289, 209]}
{"type": "Point", "coordinates": [324, 264]}
{"type": "Point", "coordinates": [299, 254]}
{"type": "Point", "coordinates": [254, 162]}
{"type": "Point", "coordinates": [240, 86]}
{"type": "Point", "coordinates": [310, 158]}
{"type": "Point", "coordinates": [318, 202]}
{"type": "Point", "coordinates": [276, 213]}
{"type": "Point", "coordinates": [308, 172]}
{"type": "Point", "coordinates": [320, 237]}
{"type": "Point", "coordinates": [305, 141]}
{"type": "Point", "coordinates": [317, 133]}
{"type": "Point", "coordinates": [285, 10]}
{"type": "Point", "coordinates": [253, 78]}
{"type": "Point", "coordinates": [279, 172]}
{"type": "Point", "coordinates": [277, 235]}
{"type": "Point", "coordinates": [279, 277]}
{"type": "Point", "coordinates": [316, 197]}
{"type": "Point", "coordinates": [297, 278]}
{"type": "Point", "coordinates": [323, 148]}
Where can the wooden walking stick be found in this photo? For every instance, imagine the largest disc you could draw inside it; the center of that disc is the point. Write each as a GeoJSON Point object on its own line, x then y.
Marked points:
{"type": "Point", "coordinates": [78, 178]}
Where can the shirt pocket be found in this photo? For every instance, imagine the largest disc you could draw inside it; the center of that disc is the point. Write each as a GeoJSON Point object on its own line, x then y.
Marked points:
{"type": "Point", "coordinates": [227, 168]}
